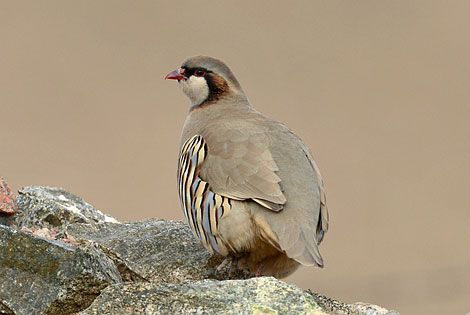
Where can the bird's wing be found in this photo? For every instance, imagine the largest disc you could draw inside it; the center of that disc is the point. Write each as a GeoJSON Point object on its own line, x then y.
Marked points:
{"type": "Point", "coordinates": [323, 221]}
{"type": "Point", "coordinates": [239, 164]}
{"type": "Point", "coordinates": [257, 161]}
{"type": "Point", "coordinates": [300, 227]}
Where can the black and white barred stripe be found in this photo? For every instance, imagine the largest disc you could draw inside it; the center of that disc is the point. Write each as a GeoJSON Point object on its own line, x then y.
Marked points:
{"type": "Point", "coordinates": [202, 207]}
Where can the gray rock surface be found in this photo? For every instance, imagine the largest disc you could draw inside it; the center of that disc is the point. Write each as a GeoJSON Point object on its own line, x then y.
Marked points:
{"type": "Point", "coordinates": [370, 309]}
{"type": "Point", "coordinates": [4, 220]}
{"type": "Point", "coordinates": [42, 276]}
{"type": "Point", "coordinates": [332, 306]}
{"type": "Point", "coordinates": [264, 295]}
{"type": "Point", "coordinates": [75, 220]}
{"type": "Point", "coordinates": [154, 250]}
{"type": "Point", "coordinates": [63, 256]}
{"type": "Point", "coordinates": [56, 208]}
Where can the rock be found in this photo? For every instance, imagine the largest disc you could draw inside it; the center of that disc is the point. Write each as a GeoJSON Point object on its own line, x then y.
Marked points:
{"type": "Point", "coordinates": [65, 257]}
{"type": "Point", "coordinates": [55, 208]}
{"type": "Point", "coordinates": [42, 276]}
{"type": "Point", "coordinates": [154, 250]}
{"type": "Point", "coordinates": [8, 205]}
{"type": "Point", "coordinates": [4, 220]}
{"type": "Point", "coordinates": [264, 295]}
{"type": "Point", "coordinates": [171, 252]}
{"type": "Point", "coordinates": [371, 309]}
{"type": "Point", "coordinates": [4, 310]}
{"type": "Point", "coordinates": [340, 308]}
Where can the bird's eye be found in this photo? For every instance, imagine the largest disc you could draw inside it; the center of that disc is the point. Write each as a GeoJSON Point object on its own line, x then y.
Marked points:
{"type": "Point", "coordinates": [199, 73]}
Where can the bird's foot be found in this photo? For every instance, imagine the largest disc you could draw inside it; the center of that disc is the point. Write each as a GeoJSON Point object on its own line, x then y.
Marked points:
{"type": "Point", "coordinates": [237, 267]}
{"type": "Point", "coordinates": [225, 262]}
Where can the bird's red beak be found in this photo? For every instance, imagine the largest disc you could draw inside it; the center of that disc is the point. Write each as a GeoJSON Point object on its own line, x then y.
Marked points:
{"type": "Point", "coordinates": [176, 75]}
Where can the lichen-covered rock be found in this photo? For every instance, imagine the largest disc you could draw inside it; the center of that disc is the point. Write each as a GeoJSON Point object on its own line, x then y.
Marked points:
{"type": "Point", "coordinates": [264, 295]}
{"type": "Point", "coordinates": [42, 276]}
{"type": "Point", "coordinates": [339, 308]}
{"type": "Point", "coordinates": [56, 208]}
{"type": "Point", "coordinates": [155, 250]}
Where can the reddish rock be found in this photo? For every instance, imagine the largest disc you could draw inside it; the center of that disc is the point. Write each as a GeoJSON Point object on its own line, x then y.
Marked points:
{"type": "Point", "coordinates": [8, 203]}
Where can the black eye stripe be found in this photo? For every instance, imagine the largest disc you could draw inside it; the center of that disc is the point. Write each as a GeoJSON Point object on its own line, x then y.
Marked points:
{"type": "Point", "coordinates": [191, 71]}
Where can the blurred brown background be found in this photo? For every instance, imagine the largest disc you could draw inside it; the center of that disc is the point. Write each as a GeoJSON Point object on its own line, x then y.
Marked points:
{"type": "Point", "coordinates": [379, 90]}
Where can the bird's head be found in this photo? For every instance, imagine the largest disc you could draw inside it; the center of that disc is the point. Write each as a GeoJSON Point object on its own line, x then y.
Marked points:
{"type": "Point", "coordinates": [205, 80]}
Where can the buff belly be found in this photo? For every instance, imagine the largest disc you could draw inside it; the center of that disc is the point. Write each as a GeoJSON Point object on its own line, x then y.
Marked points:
{"type": "Point", "coordinates": [248, 236]}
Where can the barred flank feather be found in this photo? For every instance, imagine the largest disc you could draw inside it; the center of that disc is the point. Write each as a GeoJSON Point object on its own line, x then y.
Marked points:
{"type": "Point", "coordinates": [202, 208]}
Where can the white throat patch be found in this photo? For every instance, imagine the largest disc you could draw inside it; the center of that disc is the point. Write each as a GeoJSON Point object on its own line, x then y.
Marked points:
{"type": "Point", "coordinates": [196, 89]}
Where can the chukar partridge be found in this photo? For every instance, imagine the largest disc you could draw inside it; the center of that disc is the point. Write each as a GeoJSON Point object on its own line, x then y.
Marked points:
{"type": "Point", "coordinates": [249, 187]}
